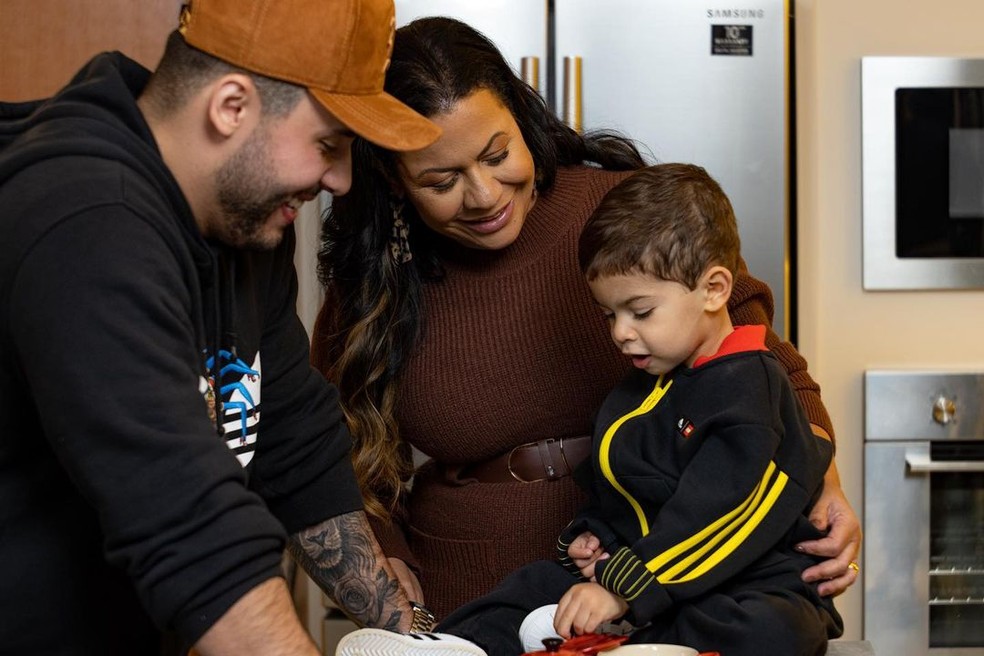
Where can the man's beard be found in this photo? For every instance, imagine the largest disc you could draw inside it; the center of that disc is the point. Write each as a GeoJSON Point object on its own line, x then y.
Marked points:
{"type": "Point", "coordinates": [248, 194]}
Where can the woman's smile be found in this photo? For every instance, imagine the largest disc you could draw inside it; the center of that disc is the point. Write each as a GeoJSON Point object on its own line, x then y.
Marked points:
{"type": "Point", "coordinates": [490, 224]}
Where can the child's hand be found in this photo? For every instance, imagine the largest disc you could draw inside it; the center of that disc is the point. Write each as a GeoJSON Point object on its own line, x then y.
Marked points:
{"type": "Point", "coordinates": [585, 551]}
{"type": "Point", "coordinates": [586, 606]}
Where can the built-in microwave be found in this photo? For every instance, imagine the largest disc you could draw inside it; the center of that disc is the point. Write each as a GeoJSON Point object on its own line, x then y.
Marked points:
{"type": "Point", "coordinates": [922, 124]}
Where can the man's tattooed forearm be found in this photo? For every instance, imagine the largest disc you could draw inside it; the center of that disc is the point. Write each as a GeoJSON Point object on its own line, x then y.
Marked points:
{"type": "Point", "coordinates": [342, 557]}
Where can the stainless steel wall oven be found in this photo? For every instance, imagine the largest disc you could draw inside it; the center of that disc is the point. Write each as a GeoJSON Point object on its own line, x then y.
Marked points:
{"type": "Point", "coordinates": [922, 124]}
{"type": "Point", "coordinates": [924, 513]}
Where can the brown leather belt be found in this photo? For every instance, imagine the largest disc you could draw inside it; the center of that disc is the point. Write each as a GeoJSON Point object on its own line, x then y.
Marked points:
{"type": "Point", "coordinates": [546, 460]}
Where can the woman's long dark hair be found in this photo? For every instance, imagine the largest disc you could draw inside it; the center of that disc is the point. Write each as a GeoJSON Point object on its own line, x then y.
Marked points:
{"type": "Point", "coordinates": [373, 316]}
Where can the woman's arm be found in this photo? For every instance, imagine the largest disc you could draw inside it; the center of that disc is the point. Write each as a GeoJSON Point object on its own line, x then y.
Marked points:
{"type": "Point", "coordinates": [751, 303]}
{"type": "Point", "coordinates": [841, 546]}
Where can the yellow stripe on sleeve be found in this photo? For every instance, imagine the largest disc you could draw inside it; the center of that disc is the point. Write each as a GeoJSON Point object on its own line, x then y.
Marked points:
{"type": "Point", "coordinates": [729, 547]}
{"type": "Point", "coordinates": [737, 524]}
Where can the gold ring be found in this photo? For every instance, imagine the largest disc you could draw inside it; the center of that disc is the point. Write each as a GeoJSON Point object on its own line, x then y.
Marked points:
{"type": "Point", "coordinates": [853, 565]}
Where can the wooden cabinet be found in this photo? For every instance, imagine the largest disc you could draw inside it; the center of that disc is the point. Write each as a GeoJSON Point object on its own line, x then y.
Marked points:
{"type": "Point", "coordinates": [44, 42]}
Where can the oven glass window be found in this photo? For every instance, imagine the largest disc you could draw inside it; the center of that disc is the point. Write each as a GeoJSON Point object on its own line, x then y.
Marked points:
{"type": "Point", "coordinates": [956, 599]}
{"type": "Point", "coordinates": [939, 168]}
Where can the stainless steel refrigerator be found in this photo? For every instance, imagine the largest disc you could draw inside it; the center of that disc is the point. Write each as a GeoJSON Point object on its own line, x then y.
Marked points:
{"type": "Point", "coordinates": [696, 82]}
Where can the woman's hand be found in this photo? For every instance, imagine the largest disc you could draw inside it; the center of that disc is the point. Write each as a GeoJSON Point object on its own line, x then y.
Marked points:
{"type": "Point", "coordinates": [408, 580]}
{"type": "Point", "coordinates": [584, 607]}
{"type": "Point", "coordinates": [842, 544]}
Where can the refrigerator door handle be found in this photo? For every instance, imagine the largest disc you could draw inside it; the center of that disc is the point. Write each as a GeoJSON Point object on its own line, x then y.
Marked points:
{"type": "Point", "coordinates": [531, 72]}
{"type": "Point", "coordinates": [572, 107]}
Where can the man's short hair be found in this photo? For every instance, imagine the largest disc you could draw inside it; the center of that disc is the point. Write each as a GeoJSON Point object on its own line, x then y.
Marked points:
{"type": "Point", "coordinates": [183, 70]}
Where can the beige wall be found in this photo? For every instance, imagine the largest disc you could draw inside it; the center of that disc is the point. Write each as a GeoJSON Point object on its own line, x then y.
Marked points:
{"type": "Point", "coordinates": [843, 329]}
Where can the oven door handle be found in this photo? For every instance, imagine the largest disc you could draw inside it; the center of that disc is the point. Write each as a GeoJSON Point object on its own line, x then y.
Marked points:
{"type": "Point", "coordinates": [919, 462]}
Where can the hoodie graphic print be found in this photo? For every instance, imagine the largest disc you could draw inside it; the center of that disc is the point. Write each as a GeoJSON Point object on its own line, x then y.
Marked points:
{"type": "Point", "coordinates": [239, 401]}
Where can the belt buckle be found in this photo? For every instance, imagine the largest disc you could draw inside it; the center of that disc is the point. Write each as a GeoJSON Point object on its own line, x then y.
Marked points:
{"type": "Point", "coordinates": [543, 449]}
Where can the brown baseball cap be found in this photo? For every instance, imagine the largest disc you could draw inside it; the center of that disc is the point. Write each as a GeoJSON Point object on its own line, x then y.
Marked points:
{"type": "Point", "coordinates": [338, 49]}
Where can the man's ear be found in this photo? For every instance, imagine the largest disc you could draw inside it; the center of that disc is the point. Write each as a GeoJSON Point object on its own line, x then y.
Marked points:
{"type": "Point", "coordinates": [233, 102]}
{"type": "Point", "coordinates": [717, 282]}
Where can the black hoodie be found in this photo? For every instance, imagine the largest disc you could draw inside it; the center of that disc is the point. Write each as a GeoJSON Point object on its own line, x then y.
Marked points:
{"type": "Point", "coordinates": [124, 511]}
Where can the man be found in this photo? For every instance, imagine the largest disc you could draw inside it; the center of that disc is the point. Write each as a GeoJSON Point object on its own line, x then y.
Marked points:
{"type": "Point", "coordinates": [161, 432]}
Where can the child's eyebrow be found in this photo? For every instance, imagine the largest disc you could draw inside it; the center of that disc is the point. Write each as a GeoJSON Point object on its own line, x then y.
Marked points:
{"type": "Point", "coordinates": [633, 299]}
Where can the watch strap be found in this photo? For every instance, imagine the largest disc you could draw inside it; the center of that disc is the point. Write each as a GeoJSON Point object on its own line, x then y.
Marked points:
{"type": "Point", "coordinates": [423, 620]}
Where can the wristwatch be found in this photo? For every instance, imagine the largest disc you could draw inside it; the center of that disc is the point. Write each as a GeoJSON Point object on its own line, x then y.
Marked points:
{"type": "Point", "coordinates": [423, 619]}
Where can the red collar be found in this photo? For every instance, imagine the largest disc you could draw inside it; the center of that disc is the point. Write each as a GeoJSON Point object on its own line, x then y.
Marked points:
{"type": "Point", "coordinates": [740, 340]}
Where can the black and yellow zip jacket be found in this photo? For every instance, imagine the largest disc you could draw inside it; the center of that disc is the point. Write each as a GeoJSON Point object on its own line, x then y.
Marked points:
{"type": "Point", "coordinates": [700, 477]}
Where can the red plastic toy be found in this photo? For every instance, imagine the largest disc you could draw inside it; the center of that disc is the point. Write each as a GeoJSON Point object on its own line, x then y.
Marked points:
{"type": "Point", "coordinates": [587, 644]}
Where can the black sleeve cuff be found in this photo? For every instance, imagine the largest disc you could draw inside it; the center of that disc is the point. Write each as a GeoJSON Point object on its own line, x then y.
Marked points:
{"type": "Point", "coordinates": [625, 575]}
{"type": "Point", "coordinates": [334, 492]}
{"type": "Point", "coordinates": [192, 624]}
{"type": "Point", "coordinates": [563, 542]}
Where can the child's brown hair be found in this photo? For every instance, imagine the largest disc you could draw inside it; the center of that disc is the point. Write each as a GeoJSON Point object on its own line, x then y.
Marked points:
{"type": "Point", "coordinates": [671, 221]}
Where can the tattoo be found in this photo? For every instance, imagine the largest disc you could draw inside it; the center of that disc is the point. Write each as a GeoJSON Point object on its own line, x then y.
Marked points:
{"type": "Point", "coordinates": [342, 556]}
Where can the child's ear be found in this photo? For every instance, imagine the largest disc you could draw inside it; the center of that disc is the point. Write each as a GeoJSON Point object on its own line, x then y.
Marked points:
{"type": "Point", "coordinates": [717, 281]}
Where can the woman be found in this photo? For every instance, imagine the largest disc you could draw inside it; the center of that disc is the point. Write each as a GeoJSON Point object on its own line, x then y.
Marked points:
{"type": "Point", "coordinates": [456, 321]}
